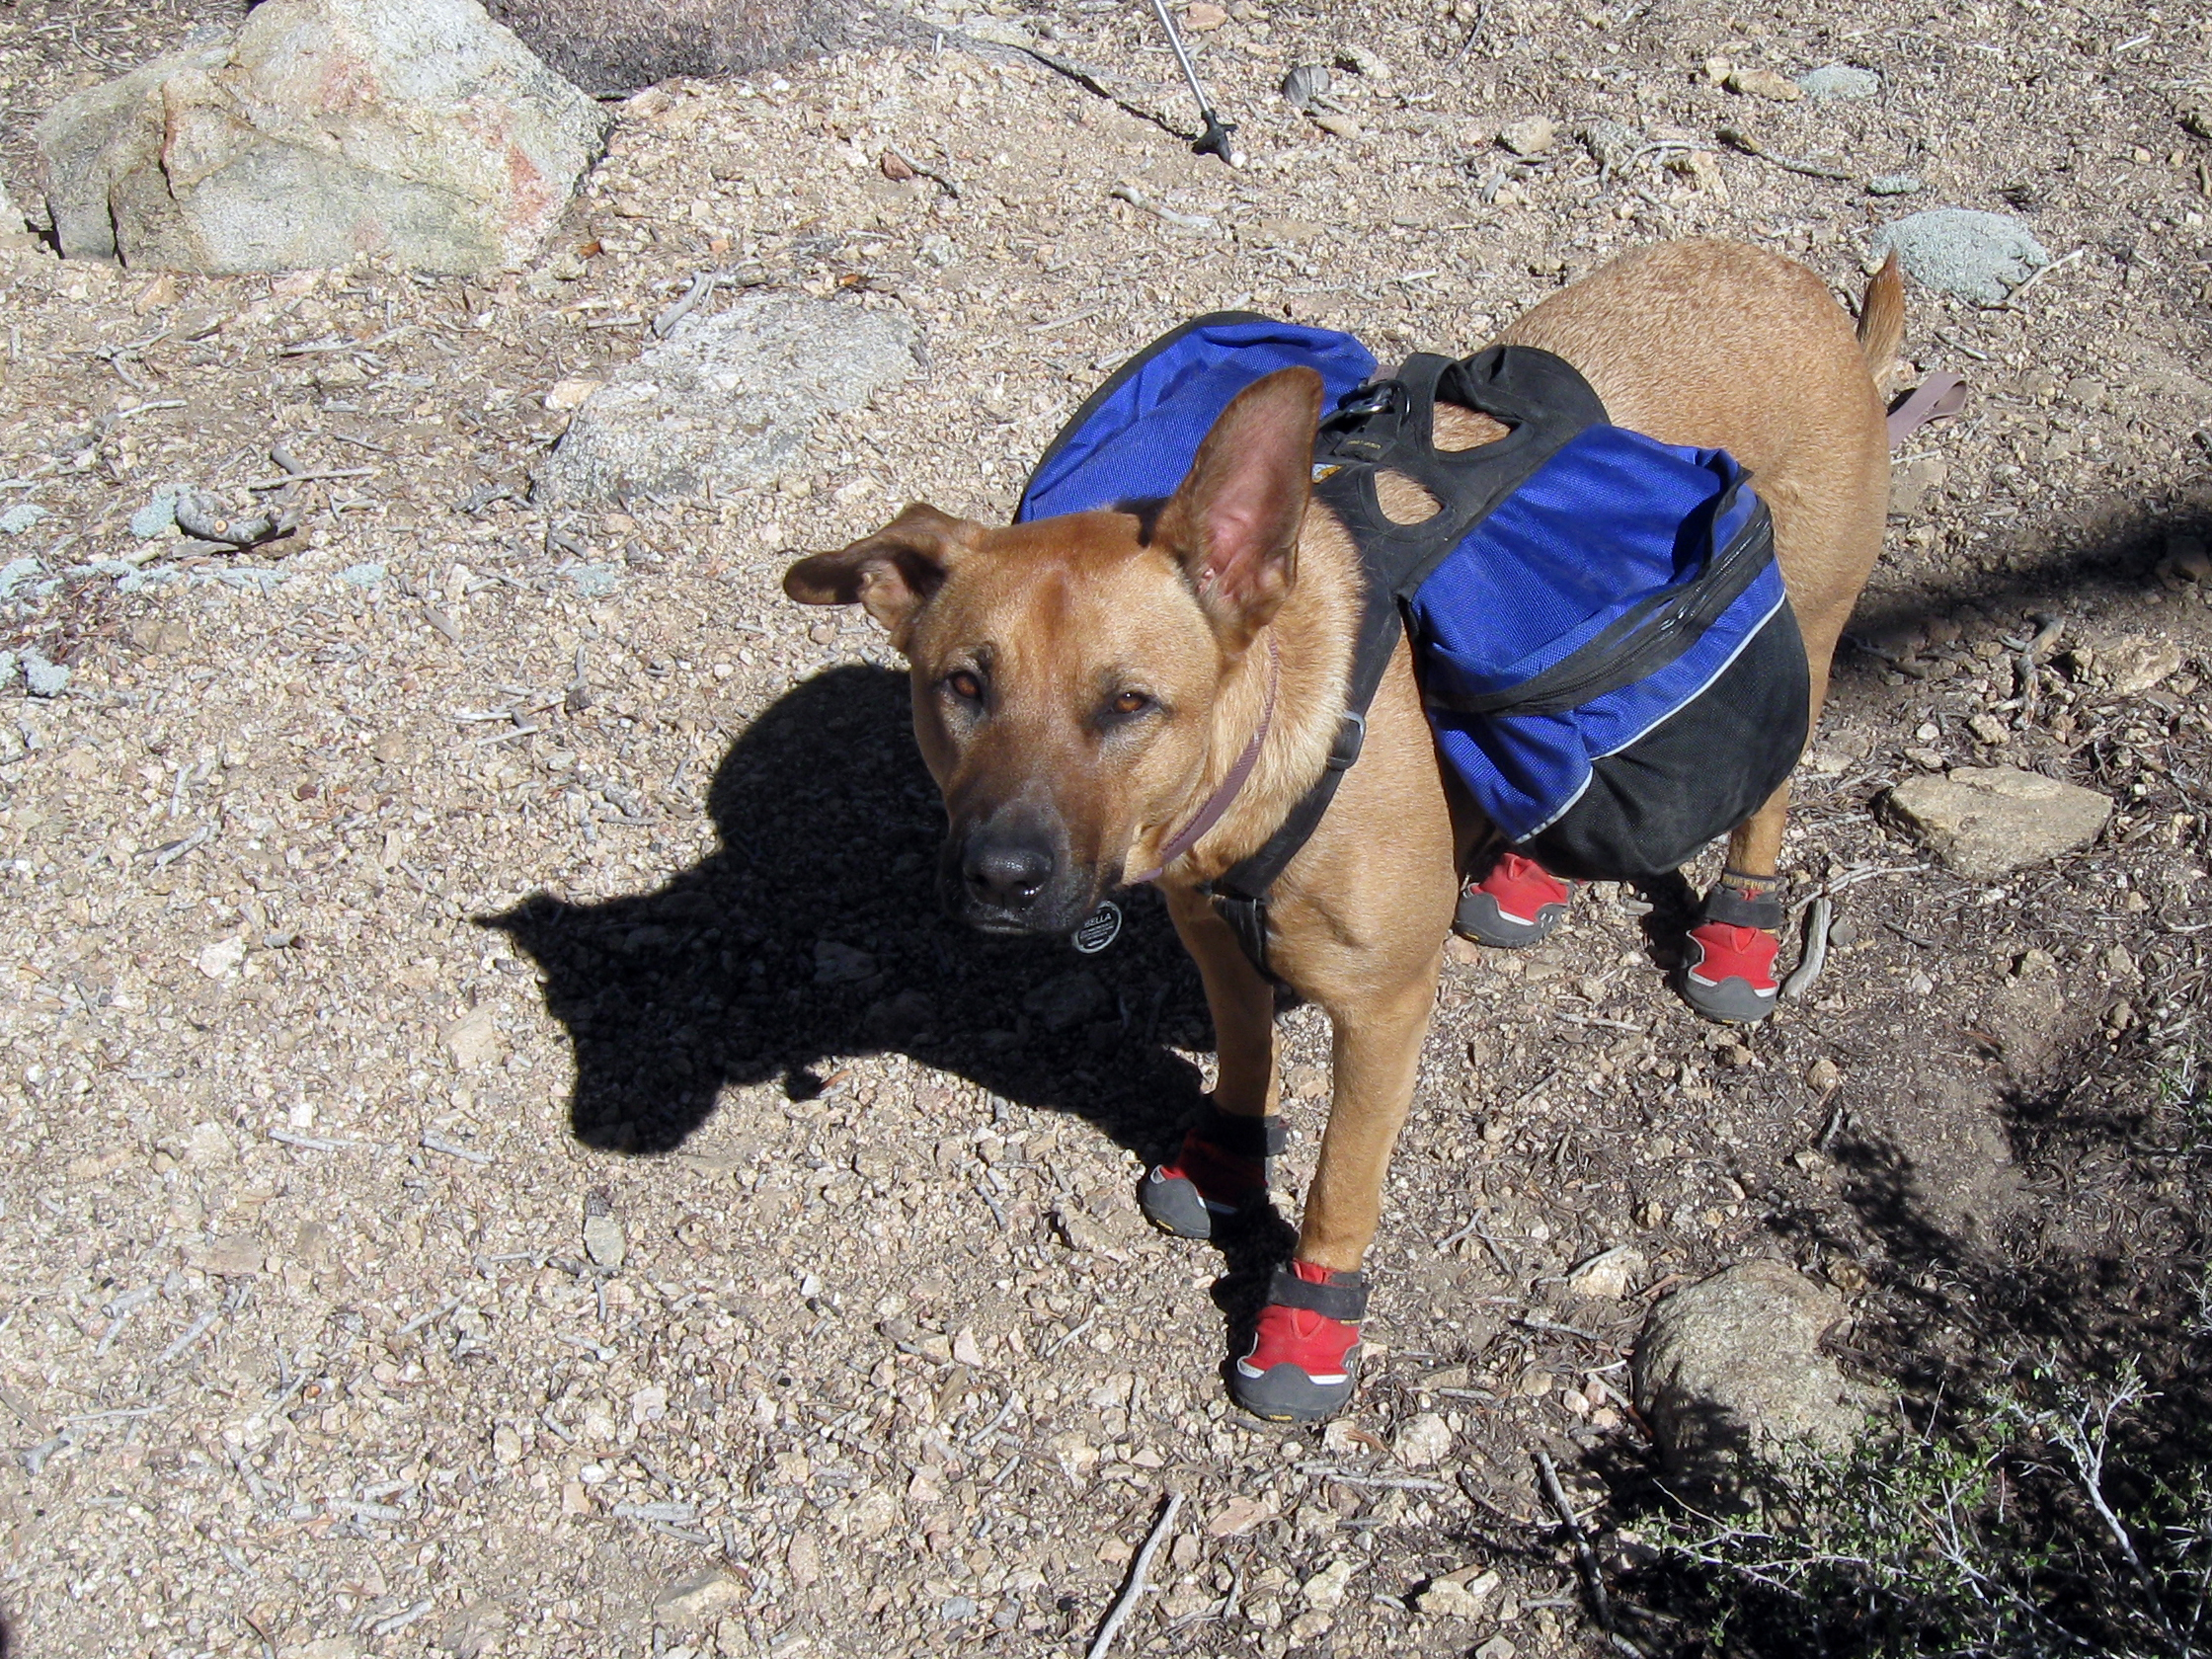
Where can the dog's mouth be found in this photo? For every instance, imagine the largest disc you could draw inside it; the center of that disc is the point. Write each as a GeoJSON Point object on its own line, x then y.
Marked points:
{"type": "Point", "coordinates": [1052, 902]}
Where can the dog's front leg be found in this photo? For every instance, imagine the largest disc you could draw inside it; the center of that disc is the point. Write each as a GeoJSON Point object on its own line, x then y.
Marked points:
{"type": "Point", "coordinates": [1305, 1350]}
{"type": "Point", "coordinates": [1222, 1166]}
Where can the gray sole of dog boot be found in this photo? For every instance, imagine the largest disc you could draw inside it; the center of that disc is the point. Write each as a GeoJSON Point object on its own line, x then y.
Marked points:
{"type": "Point", "coordinates": [1479, 918]}
{"type": "Point", "coordinates": [1284, 1393]}
{"type": "Point", "coordinates": [1732, 1001]}
{"type": "Point", "coordinates": [1174, 1206]}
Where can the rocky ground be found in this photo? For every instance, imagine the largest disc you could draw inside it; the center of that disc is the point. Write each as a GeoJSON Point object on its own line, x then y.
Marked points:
{"type": "Point", "coordinates": [503, 1157]}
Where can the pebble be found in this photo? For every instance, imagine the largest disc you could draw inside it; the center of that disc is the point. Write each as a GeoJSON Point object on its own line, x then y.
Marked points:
{"type": "Point", "coordinates": [1609, 1275]}
{"type": "Point", "coordinates": [694, 1602]}
{"type": "Point", "coordinates": [1834, 82]}
{"type": "Point", "coordinates": [1497, 1647]}
{"type": "Point", "coordinates": [1893, 184]}
{"type": "Point", "coordinates": [1422, 1441]}
{"type": "Point", "coordinates": [1976, 256]}
{"type": "Point", "coordinates": [1303, 84]}
{"type": "Point", "coordinates": [1823, 1075]}
{"type": "Point", "coordinates": [1203, 17]}
{"type": "Point", "coordinates": [603, 1241]}
{"type": "Point", "coordinates": [1610, 142]}
{"type": "Point", "coordinates": [1340, 126]}
{"type": "Point", "coordinates": [222, 957]}
{"type": "Point", "coordinates": [1069, 999]}
{"type": "Point", "coordinates": [1763, 83]}
{"type": "Point", "coordinates": [474, 1040]}
{"type": "Point", "coordinates": [1364, 62]}
{"type": "Point", "coordinates": [43, 678]}
{"type": "Point", "coordinates": [1529, 137]}
{"type": "Point", "coordinates": [1325, 1588]}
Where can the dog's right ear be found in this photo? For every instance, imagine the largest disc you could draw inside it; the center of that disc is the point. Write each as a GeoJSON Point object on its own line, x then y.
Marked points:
{"type": "Point", "coordinates": [890, 573]}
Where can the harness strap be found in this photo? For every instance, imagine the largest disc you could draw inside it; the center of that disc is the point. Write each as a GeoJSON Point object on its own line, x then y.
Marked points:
{"type": "Point", "coordinates": [1342, 1297]}
{"type": "Point", "coordinates": [1390, 424]}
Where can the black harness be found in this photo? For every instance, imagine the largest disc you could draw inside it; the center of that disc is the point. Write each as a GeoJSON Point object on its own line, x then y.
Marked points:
{"type": "Point", "coordinates": [1390, 425]}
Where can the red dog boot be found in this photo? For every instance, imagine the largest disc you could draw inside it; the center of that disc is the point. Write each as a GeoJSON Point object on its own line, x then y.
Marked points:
{"type": "Point", "coordinates": [1518, 902]}
{"type": "Point", "coordinates": [1306, 1352]}
{"type": "Point", "coordinates": [1728, 960]}
{"type": "Point", "coordinates": [1221, 1170]}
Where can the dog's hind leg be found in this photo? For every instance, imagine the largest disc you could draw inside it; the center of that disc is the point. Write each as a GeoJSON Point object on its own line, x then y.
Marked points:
{"type": "Point", "coordinates": [1222, 1166]}
{"type": "Point", "coordinates": [1303, 1359]}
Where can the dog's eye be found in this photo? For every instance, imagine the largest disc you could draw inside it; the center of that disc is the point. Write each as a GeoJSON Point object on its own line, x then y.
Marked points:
{"type": "Point", "coordinates": [964, 686]}
{"type": "Point", "coordinates": [1127, 703]}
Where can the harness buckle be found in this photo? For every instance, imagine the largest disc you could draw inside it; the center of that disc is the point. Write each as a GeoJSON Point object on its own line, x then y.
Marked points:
{"type": "Point", "coordinates": [1351, 738]}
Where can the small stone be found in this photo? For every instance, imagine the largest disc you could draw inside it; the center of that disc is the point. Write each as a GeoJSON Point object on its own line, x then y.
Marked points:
{"type": "Point", "coordinates": [1976, 256]}
{"type": "Point", "coordinates": [955, 1608]}
{"type": "Point", "coordinates": [1069, 999]}
{"type": "Point", "coordinates": [1833, 82]}
{"type": "Point", "coordinates": [1651, 1213]}
{"type": "Point", "coordinates": [565, 395]}
{"type": "Point", "coordinates": [1529, 137]}
{"type": "Point", "coordinates": [474, 1040]}
{"type": "Point", "coordinates": [1455, 1598]}
{"type": "Point", "coordinates": [2136, 663]}
{"type": "Point", "coordinates": [1497, 1647]}
{"type": "Point", "coordinates": [1422, 1442]}
{"type": "Point", "coordinates": [841, 964]}
{"type": "Point", "coordinates": [603, 1241]}
{"type": "Point", "coordinates": [1363, 62]}
{"type": "Point", "coordinates": [1609, 1275]}
{"type": "Point", "coordinates": [235, 1255]}
{"type": "Point", "coordinates": [1763, 83]}
{"type": "Point", "coordinates": [1238, 1516]}
{"type": "Point", "coordinates": [1338, 125]}
{"type": "Point", "coordinates": [1325, 1588]}
{"type": "Point", "coordinates": [1911, 485]}
{"type": "Point", "coordinates": [1203, 18]}
{"type": "Point", "coordinates": [695, 1602]}
{"type": "Point", "coordinates": [1311, 1624]}
{"type": "Point", "coordinates": [1893, 184]}
{"type": "Point", "coordinates": [222, 957]}
{"type": "Point", "coordinates": [1303, 84]}
{"type": "Point", "coordinates": [1823, 1075]}
{"type": "Point", "coordinates": [1846, 1275]}
{"type": "Point", "coordinates": [41, 677]}
{"type": "Point", "coordinates": [1988, 728]}
{"type": "Point", "coordinates": [1927, 760]}
{"type": "Point", "coordinates": [1987, 822]}
{"type": "Point", "coordinates": [506, 1444]}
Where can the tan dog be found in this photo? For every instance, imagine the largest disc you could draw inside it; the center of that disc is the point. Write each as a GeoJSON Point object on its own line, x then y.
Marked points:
{"type": "Point", "coordinates": [1082, 684]}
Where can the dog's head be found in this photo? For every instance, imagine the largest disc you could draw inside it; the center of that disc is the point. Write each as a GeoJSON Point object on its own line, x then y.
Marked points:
{"type": "Point", "coordinates": [1065, 671]}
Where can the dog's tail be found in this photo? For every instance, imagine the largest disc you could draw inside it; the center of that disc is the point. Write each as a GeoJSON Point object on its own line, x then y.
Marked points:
{"type": "Point", "coordinates": [1881, 321]}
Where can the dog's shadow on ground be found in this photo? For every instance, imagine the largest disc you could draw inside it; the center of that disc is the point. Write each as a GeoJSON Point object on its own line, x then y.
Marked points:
{"type": "Point", "coordinates": [814, 934]}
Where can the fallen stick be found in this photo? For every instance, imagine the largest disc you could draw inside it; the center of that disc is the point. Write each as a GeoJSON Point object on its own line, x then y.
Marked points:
{"type": "Point", "coordinates": [1744, 141]}
{"type": "Point", "coordinates": [1130, 1597]}
{"type": "Point", "coordinates": [1587, 1558]}
{"type": "Point", "coordinates": [1815, 956]}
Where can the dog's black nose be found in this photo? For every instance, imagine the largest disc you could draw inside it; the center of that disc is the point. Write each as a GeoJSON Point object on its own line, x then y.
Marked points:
{"type": "Point", "coordinates": [1006, 874]}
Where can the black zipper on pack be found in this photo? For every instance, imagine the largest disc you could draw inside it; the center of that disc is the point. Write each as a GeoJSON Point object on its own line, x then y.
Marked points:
{"type": "Point", "coordinates": [1640, 643]}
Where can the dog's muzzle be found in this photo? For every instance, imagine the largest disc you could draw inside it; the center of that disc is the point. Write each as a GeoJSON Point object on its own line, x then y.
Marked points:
{"type": "Point", "coordinates": [1015, 876]}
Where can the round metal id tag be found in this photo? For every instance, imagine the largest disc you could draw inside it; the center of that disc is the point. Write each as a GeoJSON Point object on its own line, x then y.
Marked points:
{"type": "Point", "coordinates": [1099, 929]}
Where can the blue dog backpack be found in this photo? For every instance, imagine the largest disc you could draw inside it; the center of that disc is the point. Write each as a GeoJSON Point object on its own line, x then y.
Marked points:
{"type": "Point", "coordinates": [1608, 662]}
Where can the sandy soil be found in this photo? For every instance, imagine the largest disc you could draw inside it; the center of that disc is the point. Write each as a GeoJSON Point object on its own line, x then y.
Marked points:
{"type": "Point", "coordinates": [387, 910]}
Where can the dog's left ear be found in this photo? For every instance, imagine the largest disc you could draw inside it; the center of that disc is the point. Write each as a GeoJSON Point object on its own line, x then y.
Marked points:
{"type": "Point", "coordinates": [1234, 521]}
{"type": "Point", "coordinates": [890, 573]}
